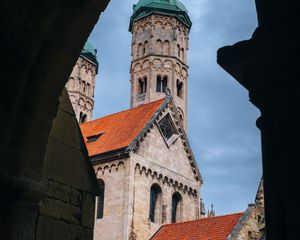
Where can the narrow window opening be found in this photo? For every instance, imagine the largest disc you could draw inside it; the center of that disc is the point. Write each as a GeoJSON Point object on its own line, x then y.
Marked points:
{"type": "Point", "coordinates": [179, 89]}
{"type": "Point", "coordinates": [158, 84]}
{"type": "Point", "coordinates": [145, 85]}
{"type": "Point", "coordinates": [100, 200]}
{"type": "Point", "coordinates": [176, 207]}
{"type": "Point", "coordinates": [178, 51]}
{"type": "Point", "coordinates": [164, 84]}
{"type": "Point", "coordinates": [182, 54]}
{"type": "Point", "coordinates": [82, 118]}
{"type": "Point", "coordinates": [142, 86]}
{"type": "Point", "coordinates": [155, 204]}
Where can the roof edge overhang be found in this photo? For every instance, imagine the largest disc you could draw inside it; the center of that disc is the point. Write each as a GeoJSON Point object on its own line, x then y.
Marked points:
{"type": "Point", "coordinates": [170, 13]}
{"type": "Point", "coordinates": [110, 156]}
{"type": "Point", "coordinates": [91, 58]}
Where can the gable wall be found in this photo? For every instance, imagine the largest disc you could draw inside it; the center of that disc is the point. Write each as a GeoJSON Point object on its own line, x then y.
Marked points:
{"type": "Point", "coordinates": [169, 167]}
{"type": "Point", "coordinates": [174, 158]}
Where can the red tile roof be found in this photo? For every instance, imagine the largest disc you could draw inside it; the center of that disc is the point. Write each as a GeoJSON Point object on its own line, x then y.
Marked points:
{"type": "Point", "coordinates": [119, 129]}
{"type": "Point", "coordinates": [212, 228]}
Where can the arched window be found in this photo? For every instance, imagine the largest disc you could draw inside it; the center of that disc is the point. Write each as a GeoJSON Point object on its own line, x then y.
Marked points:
{"type": "Point", "coordinates": [140, 50]}
{"type": "Point", "coordinates": [83, 86]}
{"type": "Point", "coordinates": [161, 84]}
{"type": "Point", "coordinates": [176, 207]}
{"type": "Point", "coordinates": [82, 118]}
{"type": "Point", "coordinates": [155, 213]}
{"type": "Point", "coordinates": [166, 48]}
{"type": "Point", "coordinates": [88, 89]}
{"type": "Point", "coordinates": [142, 85]}
{"type": "Point", "coordinates": [182, 54]}
{"type": "Point", "coordinates": [179, 86]}
{"type": "Point", "coordinates": [146, 48]}
{"type": "Point", "coordinates": [158, 83]}
{"type": "Point", "coordinates": [178, 51]}
{"type": "Point", "coordinates": [164, 83]}
{"type": "Point", "coordinates": [100, 200]}
{"type": "Point", "coordinates": [159, 47]}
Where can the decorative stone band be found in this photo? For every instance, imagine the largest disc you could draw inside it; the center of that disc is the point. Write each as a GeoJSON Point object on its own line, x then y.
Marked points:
{"type": "Point", "coordinates": [166, 180]}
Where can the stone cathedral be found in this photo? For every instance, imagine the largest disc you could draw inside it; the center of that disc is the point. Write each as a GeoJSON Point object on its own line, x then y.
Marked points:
{"type": "Point", "coordinates": [144, 164]}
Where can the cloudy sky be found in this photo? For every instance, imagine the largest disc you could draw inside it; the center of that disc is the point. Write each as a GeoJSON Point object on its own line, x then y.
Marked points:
{"type": "Point", "coordinates": [221, 120]}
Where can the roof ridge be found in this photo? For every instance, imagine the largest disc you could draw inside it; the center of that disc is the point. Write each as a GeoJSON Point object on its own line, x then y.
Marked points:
{"type": "Point", "coordinates": [187, 222]}
{"type": "Point", "coordinates": [128, 109]}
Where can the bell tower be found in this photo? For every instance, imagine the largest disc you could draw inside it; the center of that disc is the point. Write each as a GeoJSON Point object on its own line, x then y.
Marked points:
{"type": "Point", "coordinates": [81, 84]}
{"type": "Point", "coordinates": [160, 35]}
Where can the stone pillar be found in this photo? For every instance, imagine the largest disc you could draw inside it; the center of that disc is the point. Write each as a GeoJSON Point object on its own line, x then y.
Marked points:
{"type": "Point", "coordinates": [267, 66]}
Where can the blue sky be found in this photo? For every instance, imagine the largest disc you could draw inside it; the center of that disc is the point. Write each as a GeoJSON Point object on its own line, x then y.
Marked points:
{"type": "Point", "coordinates": [221, 120]}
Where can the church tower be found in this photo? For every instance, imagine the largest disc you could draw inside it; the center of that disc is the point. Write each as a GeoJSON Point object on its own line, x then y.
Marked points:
{"type": "Point", "coordinates": [160, 35]}
{"type": "Point", "coordinates": [81, 83]}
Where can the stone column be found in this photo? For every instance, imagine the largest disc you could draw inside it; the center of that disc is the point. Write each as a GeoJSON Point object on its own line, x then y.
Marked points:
{"type": "Point", "coordinates": [267, 66]}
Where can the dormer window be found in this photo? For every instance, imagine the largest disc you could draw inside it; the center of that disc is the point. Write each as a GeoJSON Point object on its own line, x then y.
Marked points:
{"type": "Point", "coordinates": [168, 130]}
{"type": "Point", "coordinates": [94, 138]}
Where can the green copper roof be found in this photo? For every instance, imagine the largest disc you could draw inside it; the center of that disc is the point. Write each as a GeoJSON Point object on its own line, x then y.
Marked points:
{"type": "Point", "coordinates": [90, 53]}
{"type": "Point", "coordinates": [166, 7]}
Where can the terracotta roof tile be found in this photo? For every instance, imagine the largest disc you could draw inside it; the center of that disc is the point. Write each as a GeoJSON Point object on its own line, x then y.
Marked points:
{"type": "Point", "coordinates": [119, 129]}
{"type": "Point", "coordinates": [212, 228]}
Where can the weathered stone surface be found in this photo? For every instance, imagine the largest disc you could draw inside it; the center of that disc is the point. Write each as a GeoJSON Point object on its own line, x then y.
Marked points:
{"type": "Point", "coordinates": [64, 193]}
{"type": "Point", "coordinates": [37, 40]}
{"type": "Point", "coordinates": [159, 48]}
{"type": "Point", "coordinates": [81, 87]}
{"type": "Point", "coordinates": [88, 204]}
{"type": "Point", "coordinates": [128, 183]}
{"type": "Point", "coordinates": [60, 210]}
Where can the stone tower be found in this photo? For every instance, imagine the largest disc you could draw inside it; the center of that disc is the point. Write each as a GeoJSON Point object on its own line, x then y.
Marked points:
{"type": "Point", "coordinates": [81, 83]}
{"type": "Point", "coordinates": [160, 35]}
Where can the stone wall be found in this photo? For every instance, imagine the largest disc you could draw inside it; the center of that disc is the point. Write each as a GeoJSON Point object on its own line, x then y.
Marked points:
{"type": "Point", "coordinates": [159, 47]}
{"type": "Point", "coordinates": [37, 40]}
{"type": "Point", "coordinates": [81, 86]}
{"type": "Point", "coordinates": [114, 224]}
{"type": "Point", "coordinates": [128, 183]}
{"type": "Point", "coordinates": [67, 211]}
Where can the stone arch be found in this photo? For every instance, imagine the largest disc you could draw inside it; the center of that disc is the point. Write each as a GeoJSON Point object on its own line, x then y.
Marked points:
{"type": "Point", "coordinates": [146, 48]}
{"type": "Point", "coordinates": [100, 199]}
{"type": "Point", "coordinates": [121, 165]}
{"type": "Point", "coordinates": [182, 52]}
{"type": "Point", "coordinates": [157, 63]}
{"type": "Point", "coordinates": [159, 46]}
{"type": "Point", "coordinates": [140, 50]}
{"type": "Point", "coordinates": [166, 48]}
{"type": "Point", "coordinates": [168, 25]}
{"type": "Point", "coordinates": [180, 89]}
{"type": "Point", "coordinates": [113, 167]}
{"type": "Point", "coordinates": [137, 67]}
{"type": "Point", "coordinates": [178, 67]}
{"type": "Point", "coordinates": [168, 64]}
{"type": "Point", "coordinates": [146, 64]}
{"type": "Point", "coordinates": [184, 72]}
{"type": "Point", "coordinates": [176, 207]}
{"type": "Point", "coordinates": [181, 114]}
{"type": "Point", "coordinates": [106, 169]}
{"type": "Point", "coordinates": [158, 24]}
{"type": "Point", "coordinates": [81, 102]}
{"type": "Point", "coordinates": [155, 209]}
